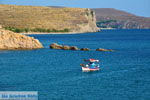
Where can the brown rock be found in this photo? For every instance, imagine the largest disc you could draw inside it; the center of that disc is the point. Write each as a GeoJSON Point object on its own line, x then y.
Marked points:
{"type": "Point", "coordinates": [102, 49]}
{"type": "Point", "coordinates": [56, 46]}
{"type": "Point", "coordinates": [74, 48]}
{"type": "Point", "coordinates": [10, 41]}
{"type": "Point", "coordinates": [66, 47]}
{"type": "Point", "coordinates": [85, 49]}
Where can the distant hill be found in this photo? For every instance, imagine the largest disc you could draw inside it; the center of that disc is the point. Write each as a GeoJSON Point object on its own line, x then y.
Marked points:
{"type": "Point", "coordinates": [56, 6]}
{"type": "Point", "coordinates": [47, 19]}
{"type": "Point", "coordinates": [112, 18]}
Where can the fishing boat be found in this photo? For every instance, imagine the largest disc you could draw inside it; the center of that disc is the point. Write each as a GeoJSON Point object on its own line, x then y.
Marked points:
{"type": "Point", "coordinates": [91, 65]}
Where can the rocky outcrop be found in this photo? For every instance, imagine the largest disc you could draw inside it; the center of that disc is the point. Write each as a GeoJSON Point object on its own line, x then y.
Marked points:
{"type": "Point", "coordinates": [90, 25]}
{"type": "Point", "coordinates": [63, 47]}
{"type": "Point", "coordinates": [74, 48]}
{"type": "Point", "coordinates": [102, 49]}
{"type": "Point", "coordinates": [66, 47]}
{"type": "Point", "coordinates": [57, 46]}
{"type": "Point", "coordinates": [13, 41]}
{"type": "Point", "coordinates": [85, 49]}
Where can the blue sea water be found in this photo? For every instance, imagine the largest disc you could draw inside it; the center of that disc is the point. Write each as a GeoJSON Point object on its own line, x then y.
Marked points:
{"type": "Point", "coordinates": [56, 74]}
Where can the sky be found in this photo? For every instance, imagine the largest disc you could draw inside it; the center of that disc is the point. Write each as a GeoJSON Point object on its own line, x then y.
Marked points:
{"type": "Point", "coordinates": [137, 7]}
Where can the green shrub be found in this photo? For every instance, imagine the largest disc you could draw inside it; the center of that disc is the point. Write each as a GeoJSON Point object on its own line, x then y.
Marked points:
{"type": "Point", "coordinates": [20, 30]}
{"type": "Point", "coordinates": [66, 30]}
{"type": "Point", "coordinates": [26, 30]}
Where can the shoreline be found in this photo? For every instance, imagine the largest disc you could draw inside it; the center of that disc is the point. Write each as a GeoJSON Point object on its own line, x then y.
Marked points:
{"type": "Point", "coordinates": [43, 33]}
{"type": "Point", "coordinates": [108, 28]}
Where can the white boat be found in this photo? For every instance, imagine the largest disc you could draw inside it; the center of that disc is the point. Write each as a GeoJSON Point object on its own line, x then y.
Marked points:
{"type": "Point", "coordinates": [87, 69]}
{"type": "Point", "coordinates": [93, 65]}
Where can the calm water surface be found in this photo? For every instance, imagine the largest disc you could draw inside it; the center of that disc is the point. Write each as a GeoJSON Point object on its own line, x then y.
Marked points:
{"type": "Point", "coordinates": [56, 74]}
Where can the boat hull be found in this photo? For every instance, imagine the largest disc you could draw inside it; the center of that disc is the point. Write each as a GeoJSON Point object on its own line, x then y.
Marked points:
{"type": "Point", "coordinates": [87, 69]}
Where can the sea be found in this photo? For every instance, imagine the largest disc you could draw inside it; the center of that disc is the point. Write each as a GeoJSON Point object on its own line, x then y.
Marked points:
{"type": "Point", "coordinates": [57, 74]}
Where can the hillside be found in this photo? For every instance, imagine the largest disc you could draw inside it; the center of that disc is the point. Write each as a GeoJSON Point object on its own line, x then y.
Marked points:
{"type": "Point", "coordinates": [112, 18]}
{"type": "Point", "coordinates": [47, 19]}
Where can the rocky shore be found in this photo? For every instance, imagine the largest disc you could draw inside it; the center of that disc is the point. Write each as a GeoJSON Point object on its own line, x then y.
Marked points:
{"type": "Point", "coordinates": [13, 41]}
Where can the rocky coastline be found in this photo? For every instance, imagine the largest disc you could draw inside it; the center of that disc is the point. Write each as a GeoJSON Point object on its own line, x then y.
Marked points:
{"type": "Point", "coordinates": [14, 41]}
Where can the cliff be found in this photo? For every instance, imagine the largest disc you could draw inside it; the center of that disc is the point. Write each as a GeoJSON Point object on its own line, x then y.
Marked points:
{"type": "Point", "coordinates": [112, 18]}
{"type": "Point", "coordinates": [13, 41]}
{"type": "Point", "coordinates": [47, 19]}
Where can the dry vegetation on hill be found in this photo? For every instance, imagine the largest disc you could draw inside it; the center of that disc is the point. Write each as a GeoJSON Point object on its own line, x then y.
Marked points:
{"type": "Point", "coordinates": [32, 17]}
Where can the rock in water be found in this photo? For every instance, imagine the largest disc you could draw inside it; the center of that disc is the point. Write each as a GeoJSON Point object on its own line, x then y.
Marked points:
{"type": "Point", "coordinates": [85, 49]}
{"type": "Point", "coordinates": [101, 49]}
{"type": "Point", "coordinates": [56, 46]}
{"type": "Point", "coordinates": [13, 41]}
{"type": "Point", "coordinates": [74, 48]}
{"type": "Point", "coordinates": [63, 47]}
{"type": "Point", "coordinates": [66, 47]}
